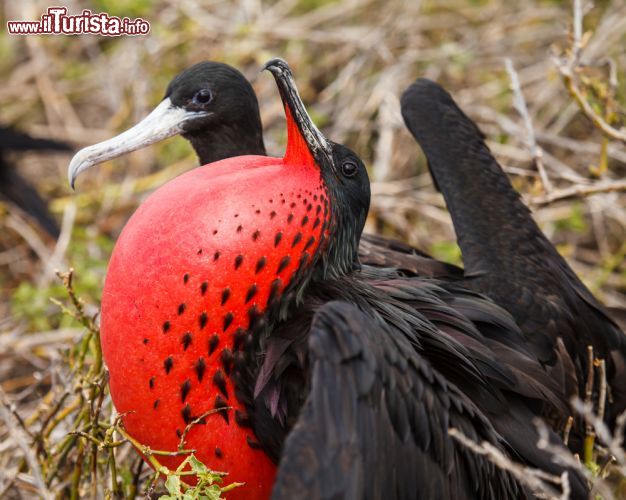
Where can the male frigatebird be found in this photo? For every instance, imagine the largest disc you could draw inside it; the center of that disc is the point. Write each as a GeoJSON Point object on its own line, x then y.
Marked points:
{"type": "Point", "coordinates": [243, 258]}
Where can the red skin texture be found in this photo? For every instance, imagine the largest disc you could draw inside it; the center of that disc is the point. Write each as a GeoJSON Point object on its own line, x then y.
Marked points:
{"type": "Point", "coordinates": [167, 250]}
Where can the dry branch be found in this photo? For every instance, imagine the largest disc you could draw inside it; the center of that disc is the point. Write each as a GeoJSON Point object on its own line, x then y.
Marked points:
{"type": "Point", "coordinates": [23, 441]}
{"type": "Point", "coordinates": [538, 481]}
{"type": "Point", "coordinates": [599, 122]}
{"type": "Point", "coordinates": [520, 105]}
{"type": "Point", "coordinates": [578, 191]}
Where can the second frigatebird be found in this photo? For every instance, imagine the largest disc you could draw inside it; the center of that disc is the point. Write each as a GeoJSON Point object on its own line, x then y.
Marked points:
{"type": "Point", "coordinates": [507, 257]}
{"type": "Point", "coordinates": [418, 367]}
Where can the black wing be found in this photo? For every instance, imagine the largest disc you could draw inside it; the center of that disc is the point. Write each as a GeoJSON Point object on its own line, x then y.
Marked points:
{"type": "Point", "coordinates": [375, 422]}
{"type": "Point", "coordinates": [15, 188]}
{"type": "Point", "coordinates": [12, 140]}
{"type": "Point", "coordinates": [389, 253]}
{"type": "Point", "coordinates": [506, 255]}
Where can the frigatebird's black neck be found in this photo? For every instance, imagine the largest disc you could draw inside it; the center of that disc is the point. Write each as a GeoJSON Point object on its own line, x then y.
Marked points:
{"type": "Point", "coordinates": [494, 228]}
{"type": "Point", "coordinates": [506, 256]}
{"type": "Point", "coordinates": [229, 139]}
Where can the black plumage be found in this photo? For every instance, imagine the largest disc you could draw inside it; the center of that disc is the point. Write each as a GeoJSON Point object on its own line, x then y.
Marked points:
{"type": "Point", "coordinates": [463, 336]}
{"type": "Point", "coordinates": [16, 189]}
{"type": "Point", "coordinates": [470, 350]}
{"type": "Point", "coordinates": [234, 109]}
{"type": "Point", "coordinates": [386, 415]}
{"type": "Point", "coordinates": [466, 339]}
{"type": "Point", "coordinates": [505, 254]}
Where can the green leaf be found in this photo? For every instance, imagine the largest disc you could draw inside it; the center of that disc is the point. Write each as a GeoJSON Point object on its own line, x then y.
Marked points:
{"type": "Point", "coordinates": [173, 487]}
{"type": "Point", "coordinates": [197, 466]}
{"type": "Point", "coordinates": [214, 492]}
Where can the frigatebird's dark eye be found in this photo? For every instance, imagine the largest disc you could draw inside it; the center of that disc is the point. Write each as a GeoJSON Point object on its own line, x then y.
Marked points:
{"type": "Point", "coordinates": [203, 96]}
{"type": "Point", "coordinates": [349, 168]}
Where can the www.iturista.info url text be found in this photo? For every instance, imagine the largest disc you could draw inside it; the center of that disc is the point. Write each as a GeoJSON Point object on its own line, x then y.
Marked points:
{"type": "Point", "coordinates": [56, 21]}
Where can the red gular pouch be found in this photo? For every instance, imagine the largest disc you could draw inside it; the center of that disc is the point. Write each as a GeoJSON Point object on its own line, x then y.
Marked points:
{"type": "Point", "coordinates": [196, 263]}
{"type": "Point", "coordinates": [193, 277]}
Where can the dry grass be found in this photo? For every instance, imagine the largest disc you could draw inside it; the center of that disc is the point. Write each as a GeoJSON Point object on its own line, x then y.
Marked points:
{"type": "Point", "coordinates": [552, 116]}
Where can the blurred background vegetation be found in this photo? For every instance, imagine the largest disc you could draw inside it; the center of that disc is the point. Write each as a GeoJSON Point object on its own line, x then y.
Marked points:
{"type": "Point", "coordinates": [352, 59]}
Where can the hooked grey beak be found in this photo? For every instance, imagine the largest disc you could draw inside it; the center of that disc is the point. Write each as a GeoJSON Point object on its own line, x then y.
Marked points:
{"type": "Point", "coordinates": [164, 121]}
{"type": "Point", "coordinates": [318, 145]}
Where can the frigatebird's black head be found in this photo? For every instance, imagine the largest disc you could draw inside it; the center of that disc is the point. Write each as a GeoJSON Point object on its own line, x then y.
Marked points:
{"type": "Point", "coordinates": [211, 104]}
{"type": "Point", "coordinates": [342, 172]}
{"type": "Point", "coordinates": [349, 186]}
{"type": "Point", "coordinates": [229, 123]}
{"type": "Point", "coordinates": [431, 114]}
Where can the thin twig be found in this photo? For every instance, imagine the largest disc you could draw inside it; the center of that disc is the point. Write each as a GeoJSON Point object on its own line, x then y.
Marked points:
{"type": "Point", "coordinates": [573, 89]}
{"type": "Point", "coordinates": [567, 429]}
{"type": "Point", "coordinates": [520, 105]}
{"type": "Point", "coordinates": [601, 365]}
{"type": "Point", "coordinates": [196, 421]}
{"type": "Point", "coordinates": [535, 479]}
{"type": "Point", "coordinates": [56, 258]}
{"type": "Point", "coordinates": [601, 431]}
{"type": "Point", "coordinates": [578, 191]}
{"type": "Point", "coordinates": [563, 457]}
{"type": "Point", "coordinates": [20, 438]}
{"type": "Point", "coordinates": [577, 32]}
